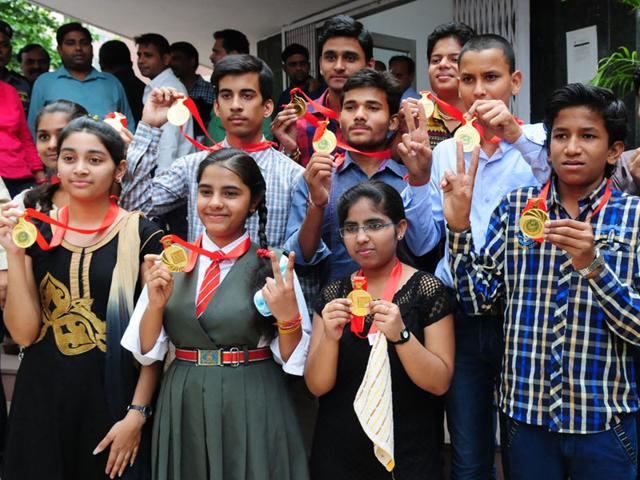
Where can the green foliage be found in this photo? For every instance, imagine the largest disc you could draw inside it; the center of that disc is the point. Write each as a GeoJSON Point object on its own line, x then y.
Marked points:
{"type": "Point", "coordinates": [632, 3]}
{"type": "Point", "coordinates": [616, 71]}
{"type": "Point", "coordinates": [31, 24]}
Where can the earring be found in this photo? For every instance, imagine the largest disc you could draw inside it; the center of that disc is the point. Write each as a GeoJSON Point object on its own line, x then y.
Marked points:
{"type": "Point", "coordinates": [399, 237]}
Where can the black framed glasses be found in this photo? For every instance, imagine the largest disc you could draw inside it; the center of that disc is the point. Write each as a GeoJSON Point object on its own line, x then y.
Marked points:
{"type": "Point", "coordinates": [352, 230]}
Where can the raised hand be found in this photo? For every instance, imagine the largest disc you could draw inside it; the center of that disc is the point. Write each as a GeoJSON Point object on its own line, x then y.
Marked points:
{"type": "Point", "coordinates": [9, 212]}
{"type": "Point", "coordinates": [158, 103]}
{"type": "Point", "coordinates": [159, 281]}
{"type": "Point", "coordinates": [496, 117]}
{"type": "Point", "coordinates": [458, 190]}
{"type": "Point", "coordinates": [279, 292]}
{"type": "Point", "coordinates": [318, 175]}
{"type": "Point", "coordinates": [285, 130]}
{"type": "Point", "coordinates": [335, 315]}
{"type": "Point", "coordinates": [388, 319]}
{"type": "Point", "coordinates": [575, 238]}
{"type": "Point", "coordinates": [414, 150]}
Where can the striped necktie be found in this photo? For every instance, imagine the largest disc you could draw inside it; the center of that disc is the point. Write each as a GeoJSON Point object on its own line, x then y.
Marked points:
{"type": "Point", "coordinates": [211, 280]}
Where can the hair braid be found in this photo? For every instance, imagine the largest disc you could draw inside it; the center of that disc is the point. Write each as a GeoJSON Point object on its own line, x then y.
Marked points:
{"type": "Point", "coordinates": [262, 224]}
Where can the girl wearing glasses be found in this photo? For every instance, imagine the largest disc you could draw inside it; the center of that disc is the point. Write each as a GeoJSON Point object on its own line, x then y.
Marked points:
{"type": "Point", "coordinates": [418, 326]}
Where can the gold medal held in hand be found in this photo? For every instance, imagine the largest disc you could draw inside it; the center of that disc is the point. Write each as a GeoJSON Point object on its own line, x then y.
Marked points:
{"type": "Point", "coordinates": [24, 234]}
{"type": "Point", "coordinates": [532, 222]}
{"type": "Point", "coordinates": [175, 258]}
{"type": "Point", "coordinates": [360, 298]}
{"type": "Point", "coordinates": [178, 114]}
{"type": "Point", "coordinates": [327, 143]}
{"type": "Point", "coordinates": [299, 105]}
{"type": "Point", "coordinates": [468, 136]}
{"type": "Point", "coordinates": [427, 103]}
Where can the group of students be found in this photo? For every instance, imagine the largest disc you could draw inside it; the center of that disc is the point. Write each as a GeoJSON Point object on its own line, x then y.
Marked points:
{"type": "Point", "coordinates": [100, 311]}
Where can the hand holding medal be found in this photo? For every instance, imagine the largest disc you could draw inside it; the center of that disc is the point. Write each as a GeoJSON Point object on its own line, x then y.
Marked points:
{"type": "Point", "coordinates": [467, 134]}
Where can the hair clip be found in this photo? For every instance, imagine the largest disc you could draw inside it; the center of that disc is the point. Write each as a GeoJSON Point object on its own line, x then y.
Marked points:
{"type": "Point", "coordinates": [263, 253]}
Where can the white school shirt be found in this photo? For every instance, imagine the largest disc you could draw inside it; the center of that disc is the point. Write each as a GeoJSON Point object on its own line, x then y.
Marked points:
{"type": "Point", "coordinates": [131, 338]}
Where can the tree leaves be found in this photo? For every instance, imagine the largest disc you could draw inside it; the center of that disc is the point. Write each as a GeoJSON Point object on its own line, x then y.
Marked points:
{"type": "Point", "coordinates": [31, 24]}
{"type": "Point", "coordinates": [617, 71]}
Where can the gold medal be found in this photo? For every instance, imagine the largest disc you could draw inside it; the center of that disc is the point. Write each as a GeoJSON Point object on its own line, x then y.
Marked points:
{"type": "Point", "coordinates": [175, 258]}
{"type": "Point", "coordinates": [469, 137]}
{"type": "Point", "coordinates": [532, 222]}
{"type": "Point", "coordinates": [429, 106]}
{"type": "Point", "coordinates": [359, 297]}
{"type": "Point", "coordinates": [299, 105]}
{"type": "Point", "coordinates": [327, 143]}
{"type": "Point", "coordinates": [24, 234]}
{"type": "Point", "coordinates": [178, 114]}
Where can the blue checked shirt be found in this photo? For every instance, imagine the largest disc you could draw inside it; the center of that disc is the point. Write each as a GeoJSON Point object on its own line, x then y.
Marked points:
{"type": "Point", "coordinates": [567, 363]}
{"type": "Point", "coordinates": [178, 185]}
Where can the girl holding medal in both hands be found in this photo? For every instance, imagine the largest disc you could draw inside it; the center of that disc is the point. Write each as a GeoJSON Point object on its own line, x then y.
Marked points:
{"type": "Point", "coordinates": [80, 402]}
{"type": "Point", "coordinates": [223, 409]}
{"type": "Point", "coordinates": [418, 326]}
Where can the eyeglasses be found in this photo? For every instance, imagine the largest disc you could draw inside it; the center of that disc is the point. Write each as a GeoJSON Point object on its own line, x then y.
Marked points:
{"type": "Point", "coordinates": [353, 229]}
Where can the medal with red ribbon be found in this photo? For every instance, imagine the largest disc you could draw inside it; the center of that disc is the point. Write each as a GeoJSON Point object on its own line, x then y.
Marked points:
{"type": "Point", "coordinates": [25, 233]}
{"type": "Point", "coordinates": [178, 115]}
{"type": "Point", "coordinates": [534, 215]}
{"type": "Point", "coordinates": [177, 260]}
{"type": "Point", "coordinates": [471, 132]}
{"type": "Point", "coordinates": [360, 298]}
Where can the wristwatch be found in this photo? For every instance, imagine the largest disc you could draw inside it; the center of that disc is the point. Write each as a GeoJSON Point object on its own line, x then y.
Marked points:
{"type": "Point", "coordinates": [145, 410]}
{"type": "Point", "coordinates": [597, 263]}
{"type": "Point", "coordinates": [405, 335]}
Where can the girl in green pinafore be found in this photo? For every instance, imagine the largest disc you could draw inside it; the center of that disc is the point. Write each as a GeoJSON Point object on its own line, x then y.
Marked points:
{"type": "Point", "coordinates": [223, 411]}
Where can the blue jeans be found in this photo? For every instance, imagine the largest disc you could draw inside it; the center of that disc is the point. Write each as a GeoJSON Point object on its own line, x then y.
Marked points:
{"type": "Point", "coordinates": [470, 405]}
{"type": "Point", "coordinates": [535, 453]}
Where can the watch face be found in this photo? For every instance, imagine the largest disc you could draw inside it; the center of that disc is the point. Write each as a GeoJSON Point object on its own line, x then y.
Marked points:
{"type": "Point", "coordinates": [405, 335]}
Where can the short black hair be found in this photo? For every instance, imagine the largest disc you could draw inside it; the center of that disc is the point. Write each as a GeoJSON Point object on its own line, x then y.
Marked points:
{"type": "Point", "coordinates": [30, 48]}
{"type": "Point", "coordinates": [114, 53]}
{"type": "Point", "coordinates": [601, 101]}
{"type": "Point", "coordinates": [385, 198]}
{"type": "Point", "coordinates": [458, 30]}
{"type": "Point", "coordinates": [403, 58]}
{"type": "Point", "coordinates": [67, 28]}
{"type": "Point", "coordinates": [294, 49]}
{"type": "Point", "coordinates": [488, 41]}
{"type": "Point", "coordinates": [346, 26]}
{"type": "Point", "coordinates": [232, 40]}
{"type": "Point", "coordinates": [385, 81]}
{"type": "Point", "coordinates": [188, 49]}
{"type": "Point", "coordinates": [155, 39]}
{"type": "Point", "coordinates": [245, 63]}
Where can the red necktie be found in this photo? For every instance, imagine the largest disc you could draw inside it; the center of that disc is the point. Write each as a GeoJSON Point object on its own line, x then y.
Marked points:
{"type": "Point", "coordinates": [211, 279]}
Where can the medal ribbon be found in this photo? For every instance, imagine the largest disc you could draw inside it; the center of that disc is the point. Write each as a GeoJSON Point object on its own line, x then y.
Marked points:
{"type": "Point", "coordinates": [195, 249]}
{"type": "Point", "coordinates": [191, 106]}
{"type": "Point", "coordinates": [327, 112]}
{"type": "Point", "coordinates": [63, 215]}
{"type": "Point", "coordinates": [122, 119]}
{"type": "Point", "coordinates": [458, 115]}
{"type": "Point", "coordinates": [357, 322]}
{"type": "Point", "coordinates": [540, 202]}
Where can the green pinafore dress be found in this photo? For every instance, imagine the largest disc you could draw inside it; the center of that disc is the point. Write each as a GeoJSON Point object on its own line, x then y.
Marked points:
{"type": "Point", "coordinates": [231, 423]}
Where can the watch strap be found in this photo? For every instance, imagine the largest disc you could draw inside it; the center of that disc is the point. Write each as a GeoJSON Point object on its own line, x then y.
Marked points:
{"type": "Point", "coordinates": [405, 335]}
{"type": "Point", "coordinates": [597, 263]}
{"type": "Point", "coordinates": [145, 410]}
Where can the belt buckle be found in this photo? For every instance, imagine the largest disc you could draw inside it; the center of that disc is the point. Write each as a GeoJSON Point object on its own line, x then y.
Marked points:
{"type": "Point", "coordinates": [235, 357]}
{"type": "Point", "coordinates": [209, 358]}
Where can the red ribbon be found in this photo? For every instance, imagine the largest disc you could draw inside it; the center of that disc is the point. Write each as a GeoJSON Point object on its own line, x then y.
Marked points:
{"type": "Point", "coordinates": [119, 116]}
{"type": "Point", "coordinates": [191, 106]}
{"type": "Point", "coordinates": [458, 115]}
{"type": "Point", "coordinates": [540, 202]}
{"type": "Point", "coordinates": [195, 250]}
{"type": "Point", "coordinates": [327, 112]}
{"type": "Point", "coordinates": [63, 215]}
{"type": "Point", "coordinates": [357, 323]}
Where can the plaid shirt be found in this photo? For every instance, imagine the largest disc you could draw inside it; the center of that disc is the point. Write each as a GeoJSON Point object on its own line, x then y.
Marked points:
{"type": "Point", "coordinates": [202, 89]}
{"type": "Point", "coordinates": [306, 130]}
{"type": "Point", "coordinates": [568, 363]}
{"type": "Point", "coordinates": [178, 185]}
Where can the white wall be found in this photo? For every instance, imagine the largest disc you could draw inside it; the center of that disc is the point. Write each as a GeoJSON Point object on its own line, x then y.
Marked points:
{"type": "Point", "coordinates": [415, 21]}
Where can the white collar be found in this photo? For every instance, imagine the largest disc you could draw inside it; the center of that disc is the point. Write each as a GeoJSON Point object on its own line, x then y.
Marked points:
{"type": "Point", "coordinates": [208, 244]}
